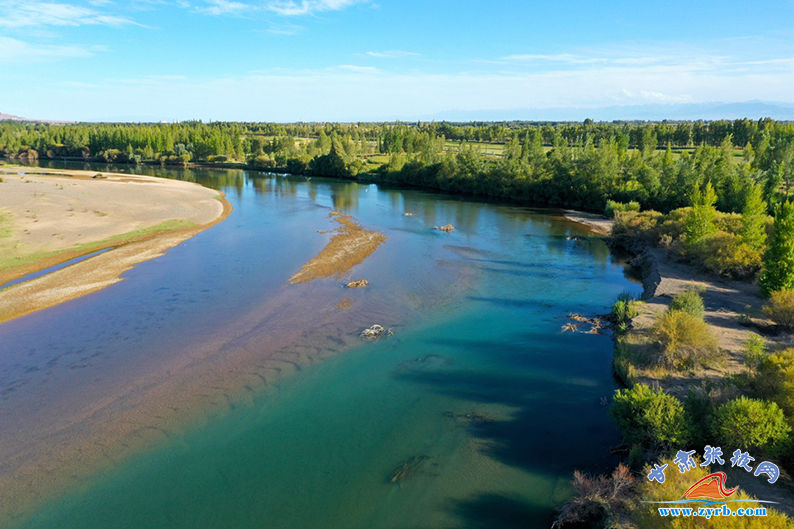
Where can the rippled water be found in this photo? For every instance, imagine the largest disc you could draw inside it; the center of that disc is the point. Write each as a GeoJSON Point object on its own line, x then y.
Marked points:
{"type": "Point", "coordinates": [474, 414]}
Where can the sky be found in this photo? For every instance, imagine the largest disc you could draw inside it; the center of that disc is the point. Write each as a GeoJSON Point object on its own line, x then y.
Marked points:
{"type": "Point", "coordinates": [359, 60]}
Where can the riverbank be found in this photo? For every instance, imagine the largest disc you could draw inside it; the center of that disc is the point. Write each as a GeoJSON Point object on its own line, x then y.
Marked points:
{"type": "Point", "coordinates": [598, 224]}
{"type": "Point", "coordinates": [733, 314]}
{"type": "Point", "coordinates": [50, 217]}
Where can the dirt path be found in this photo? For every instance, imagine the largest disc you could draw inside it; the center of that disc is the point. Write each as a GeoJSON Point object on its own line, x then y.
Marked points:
{"type": "Point", "coordinates": [727, 304]}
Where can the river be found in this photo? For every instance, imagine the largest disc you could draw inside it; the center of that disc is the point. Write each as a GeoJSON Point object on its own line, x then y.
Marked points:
{"type": "Point", "coordinates": [204, 391]}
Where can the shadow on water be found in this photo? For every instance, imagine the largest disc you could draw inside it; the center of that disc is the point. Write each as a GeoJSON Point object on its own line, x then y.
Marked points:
{"type": "Point", "coordinates": [497, 511]}
{"type": "Point", "coordinates": [539, 435]}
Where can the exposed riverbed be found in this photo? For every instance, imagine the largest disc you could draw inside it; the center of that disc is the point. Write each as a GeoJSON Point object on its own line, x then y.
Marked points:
{"type": "Point", "coordinates": [205, 390]}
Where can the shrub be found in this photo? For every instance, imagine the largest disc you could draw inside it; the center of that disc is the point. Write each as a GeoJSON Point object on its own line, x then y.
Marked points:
{"type": "Point", "coordinates": [649, 417]}
{"type": "Point", "coordinates": [263, 162]}
{"type": "Point", "coordinates": [689, 301]}
{"type": "Point", "coordinates": [699, 410]}
{"type": "Point", "coordinates": [673, 223]}
{"type": "Point", "coordinates": [685, 340]}
{"type": "Point", "coordinates": [598, 501]}
{"type": "Point", "coordinates": [751, 423]}
{"type": "Point", "coordinates": [623, 311]}
{"type": "Point", "coordinates": [622, 364]}
{"type": "Point", "coordinates": [774, 379]}
{"type": "Point", "coordinates": [780, 308]}
{"type": "Point", "coordinates": [613, 207]}
{"type": "Point", "coordinates": [631, 226]}
{"type": "Point", "coordinates": [754, 350]}
{"type": "Point", "coordinates": [724, 254]}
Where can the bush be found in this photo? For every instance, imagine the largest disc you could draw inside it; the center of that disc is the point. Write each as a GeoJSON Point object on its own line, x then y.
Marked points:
{"type": "Point", "coordinates": [726, 255]}
{"type": "Point", "coordinates": [689, 301]}
{"type": "Point", "coordinates": [649, 417]}
{"type": "Point", "coordinates": [613, 207]}
{"type": "Point", "coordinates": [780, 308]}
{"type": "Point", "coordinates": [754, 351]}
{"type": "Point", "coordinates": [774, 380]}
{"type": "Point", "coordinates": [598, 501]}
{"type": "Point", "coordinates": [699, 410]}
{"type": "Point", "coordinates": [623, 311]}
{"type": "Point", "coordinates": [263, 162]}
{"type": "Point", "coordinates": [631, 227]}
{"type": "Point", "coordinates": [750, 423]}
{"type": "Point", "coordinates": [685, 340]}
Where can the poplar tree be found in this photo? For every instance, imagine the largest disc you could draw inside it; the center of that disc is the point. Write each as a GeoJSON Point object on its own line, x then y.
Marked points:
{"type": "Point", "coordinates": [778, 272]}
{"type": "Point", "coordinates": [700, 221]}
{"type": "Point", "coordinates": [753, 232]}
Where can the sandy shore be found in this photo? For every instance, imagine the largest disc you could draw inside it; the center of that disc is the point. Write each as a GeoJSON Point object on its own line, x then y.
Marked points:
{"type": "Point", "coordinates": [598, 224]}
{"type": "Point", "coordinates": [48, 217]}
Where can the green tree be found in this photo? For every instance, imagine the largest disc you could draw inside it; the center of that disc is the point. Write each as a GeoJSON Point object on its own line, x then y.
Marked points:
{"type": "Point", "coordinates": [778, 272]}
{"type": "Point", "coordinates": [700, 221]}
{"type": "Point", "coordinates": [753, 231]}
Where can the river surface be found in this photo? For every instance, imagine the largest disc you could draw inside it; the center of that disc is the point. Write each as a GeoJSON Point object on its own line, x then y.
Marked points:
{"type": "Point", "coordinates": [264, 408]}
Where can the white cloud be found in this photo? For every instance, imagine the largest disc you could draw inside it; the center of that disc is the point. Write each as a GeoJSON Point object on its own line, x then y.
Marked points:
{"type": "Point", "coordinates": [15, 14]}
{"type": "Point", "coordinates": [284, 29]}
{"type": "Point", "coordinates": [357, 69]}
{"type": "Point", "coordinates": [309, 7]}
{"type": "Point", "coordinates": [391, 54]}
{"type": "Point", "coordinates": [13, 50]}
{"type": "Point", "coordinates": [362, 93]}
{"type": "Point", "coordinates": [223, 7]}
{"type": "Point", "coordinates": [554, 57]}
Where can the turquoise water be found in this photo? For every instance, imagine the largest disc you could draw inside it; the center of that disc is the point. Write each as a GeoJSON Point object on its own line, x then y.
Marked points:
{"type": "Point", "coordinates": [478, 404]}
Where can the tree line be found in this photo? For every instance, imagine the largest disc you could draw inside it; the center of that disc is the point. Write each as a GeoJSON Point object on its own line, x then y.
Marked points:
{"type": "Point", "coordinates": [580, 165]}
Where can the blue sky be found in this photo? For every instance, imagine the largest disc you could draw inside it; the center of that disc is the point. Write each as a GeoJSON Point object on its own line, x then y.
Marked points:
{"type": "Point", "coordinates": [349, 60]}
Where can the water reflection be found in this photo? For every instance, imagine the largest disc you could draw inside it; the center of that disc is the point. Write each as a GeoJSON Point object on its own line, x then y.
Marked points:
{"type": "Point", "coordinates": [482, 305]}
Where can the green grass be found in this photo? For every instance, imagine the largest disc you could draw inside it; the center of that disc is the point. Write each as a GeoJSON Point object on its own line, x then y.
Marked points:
{"type": "Point", "coordinates": [11, 259]}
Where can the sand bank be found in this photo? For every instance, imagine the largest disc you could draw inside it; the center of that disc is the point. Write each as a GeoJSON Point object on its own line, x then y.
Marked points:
{"type": "Point", "coordinates": [48, 217]}
{"type": "Point", "coordinates": [349, 247]}
{"type": "Point", "coordinates": [598, 224]}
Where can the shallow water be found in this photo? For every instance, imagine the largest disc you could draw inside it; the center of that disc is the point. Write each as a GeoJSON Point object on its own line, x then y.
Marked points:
{"type": "Point", "coordinates": [478, 397]}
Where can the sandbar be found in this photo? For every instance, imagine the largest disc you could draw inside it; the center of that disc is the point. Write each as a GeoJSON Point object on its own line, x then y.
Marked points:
{"type": "Point", "coordinates": [48, 217]}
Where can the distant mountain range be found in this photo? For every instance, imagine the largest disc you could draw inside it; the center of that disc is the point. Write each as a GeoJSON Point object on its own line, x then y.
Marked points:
{"type": "Point", "coordinates": [9, 117]}
{"type": "Point", "coordinates": [650, 112]}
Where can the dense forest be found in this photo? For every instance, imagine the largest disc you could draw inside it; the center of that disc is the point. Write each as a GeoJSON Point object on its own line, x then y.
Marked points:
{"type": "Point", "coordinates": [579, 165]}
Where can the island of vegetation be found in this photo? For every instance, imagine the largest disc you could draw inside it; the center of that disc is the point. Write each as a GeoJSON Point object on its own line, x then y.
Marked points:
{"type": "Point", "coordinates": [100, 224]}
